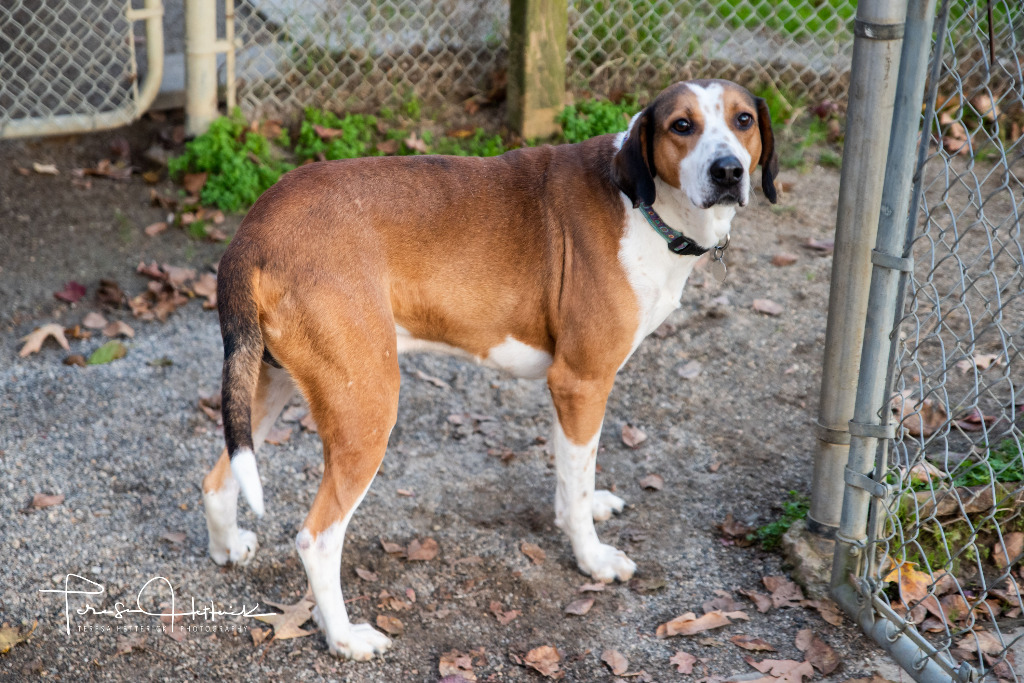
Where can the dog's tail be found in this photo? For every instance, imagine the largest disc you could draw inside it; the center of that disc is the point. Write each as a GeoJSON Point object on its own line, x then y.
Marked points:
{"type": "Point", "coordinates": [243, 353]}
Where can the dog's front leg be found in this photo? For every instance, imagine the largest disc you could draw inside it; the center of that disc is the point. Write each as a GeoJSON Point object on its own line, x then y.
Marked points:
{"type": "Point", "coordinates": [579, 412]}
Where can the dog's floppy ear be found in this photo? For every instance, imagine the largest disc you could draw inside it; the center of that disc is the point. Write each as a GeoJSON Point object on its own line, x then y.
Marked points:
{"type": "Point", "coordinates": [769, 159]}
{"type": "Point", "coordinates": [633, 168]}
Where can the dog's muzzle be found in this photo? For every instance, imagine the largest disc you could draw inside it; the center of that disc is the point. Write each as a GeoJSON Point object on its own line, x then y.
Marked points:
{"type": "Point", "coordinates": [726, 173]}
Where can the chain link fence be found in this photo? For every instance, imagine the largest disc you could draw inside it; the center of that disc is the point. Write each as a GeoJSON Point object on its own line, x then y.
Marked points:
{"type": "Point", "coordinates": [942, 558]}
{"type": "Point", "coordinates": [362, 54]}
{"type": "Point", "coordinates": [801, 47]}
{"type": "Point", "coordinates": [357, 55]}
{"type": "Point", "coordinates": [69, 66]}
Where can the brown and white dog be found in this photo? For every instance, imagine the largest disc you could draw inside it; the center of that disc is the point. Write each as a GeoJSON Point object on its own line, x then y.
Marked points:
{"type": "Point", "coordinates": [538, 262]}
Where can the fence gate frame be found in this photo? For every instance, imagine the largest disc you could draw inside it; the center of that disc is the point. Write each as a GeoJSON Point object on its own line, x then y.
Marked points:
{"type": "Point", "coordinates": [887, 215]}
{"type": "Point", "coordinates": [152, 13]}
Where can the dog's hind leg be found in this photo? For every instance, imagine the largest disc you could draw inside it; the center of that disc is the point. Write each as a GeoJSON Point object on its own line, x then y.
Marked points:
{"type": "Point", "coordinates": [355, 404]}
{"type": "Point", "coordinates": [229, 543]}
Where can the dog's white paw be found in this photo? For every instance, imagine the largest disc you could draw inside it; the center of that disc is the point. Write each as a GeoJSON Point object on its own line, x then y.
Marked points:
{"type": "Point", "coordinates": [238, 550]}
{"type": "Point", "coordinates": [360, 643]}
{"type": "Point", "coordinates": [605, 503]}
{"type": "Point", "coordinates": [606, 563]}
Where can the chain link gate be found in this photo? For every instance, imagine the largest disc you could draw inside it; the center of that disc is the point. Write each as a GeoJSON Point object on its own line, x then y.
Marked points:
{"type": "Point", "coordinates": [928, 556]}
{"type": "Point", "coordinates": [70, 66]}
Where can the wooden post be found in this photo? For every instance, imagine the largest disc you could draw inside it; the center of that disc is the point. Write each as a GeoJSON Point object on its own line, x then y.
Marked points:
{"type": "Point", "coordinates": [538, 31]}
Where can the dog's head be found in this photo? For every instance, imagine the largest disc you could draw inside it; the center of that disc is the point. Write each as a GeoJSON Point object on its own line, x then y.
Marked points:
{"type": "Point", "coordinates": [702, 137]}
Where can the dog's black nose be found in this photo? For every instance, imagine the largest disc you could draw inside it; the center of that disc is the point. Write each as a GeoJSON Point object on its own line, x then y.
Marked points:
{"type": "Point", "coordinates": [726, 171]}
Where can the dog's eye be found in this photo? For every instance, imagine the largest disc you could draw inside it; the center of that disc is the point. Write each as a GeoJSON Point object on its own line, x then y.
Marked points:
{"type": "Point", "coordinates": [682, 126]}
{"type": "Point", "coordinates": [744, 121]}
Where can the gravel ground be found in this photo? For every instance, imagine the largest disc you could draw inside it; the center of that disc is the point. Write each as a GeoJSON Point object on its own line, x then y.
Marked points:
{"type": "Point", "coordinates": [127, 447]}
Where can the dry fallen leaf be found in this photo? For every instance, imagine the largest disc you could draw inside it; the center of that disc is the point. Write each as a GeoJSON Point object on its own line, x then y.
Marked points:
{"type": "Point", "coordinates": [783, 259]}
{"type": "Point", "coordinates": [751, 643]}
{"type": "Point", "coordinates": [1008, 550]}
{"type": "Point", "coordinates": [919, 418]}
{"type": "Point", "coordinates": [425, 551]}
{"type": "Point", "coordinates": [258, 635]}
{"type": "Point", "coordinates": [592, 588]}
{"type": "Point", "coordinates": [498, 610]}
{"type": "Point", "coordinates": [816, 651]}
{"type": "Point", "coordinates": [768, 307]}
{"type": "Point", "coordinates": [94, 321]}
{"type": "Point", "coordinates": [391, 548]}
{"type": "Point", "coordinates": [126, 644]}
{"type": "Point", "coordinates": [414, 143]}
{"type": "Point", "coordinates": [11, 636]}
{"type": "Point", "coordinates": [326, 133]}
{"type": "Point", "coordinates": [533, 551]}
{"type": "Point", "coordinates": [194, 182]}
{"type": "Point", "coordinates": [632, 436]}
{"type": "Point", "coordinates": [579, 607]}
{"type": "Point", "coordinates": [436, 381]}
{"type": "Point", "coordinates": [278, 435]}
{"type": "Point", "coordinates": [308, 423]}
{"type": "Point", "coordinates": [823, 247]}
{"type": "Point", "coordinates": [45, 500]}
{"type": "Point", "coordinates": [118, 328]}
{"type": "Point", "coordinates": [652, 481]}
{"type": "Point", "coordinates": [724, 602]}
{"type": "Point", "coordinates": [913, 584]}
{"type": "Point", "coordinates": [455, 663]}
{"type": "Point", "coordinates": [787, 670]}
{"type": "Point", "coordinates": [390, 625]}
{"type": "Point", "coordinates": [388, 147]}
{"type": "Point", "coordinates": [175, 630]}
{"type": "Point", "coordinates": [615, 661]}
{"type": "Point", "coordinates": [75, 359]}
{"type": "Point", "coordinates": [45, 169]}
{"type": "Point", "coordinates": [736, 530]}
{"type": "Point", "coordinates": [828, 610]}
{"type": "Point", "coordinates": [762, 601]}
{"type": "Point", "coordinates": [154, 229]}
{"type": "Point", "coordinates": [175, 537]}
{"type": "Point", "coordinates": [691, 370]}
{"type": "Point", "coordinates": [34, 340]}
{"type": "Point", "coordinates": [287, 625]}
{"type": "Point", "coordinates": [544, 659]}
{"type": "Point", "coordinates": [784, 592]}
{"type": "Point", "coordinates": [683, 662]}
{"type": "Point", "coordinates": [689, 624]}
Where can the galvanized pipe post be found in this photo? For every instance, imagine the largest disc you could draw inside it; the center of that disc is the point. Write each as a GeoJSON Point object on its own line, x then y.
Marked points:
{"type": "Point", "coordinates": [200, 65]}
{"type": "Point", "coordinates": [865, 471]}
{"type": "Point", "coordinates": [878, 31]}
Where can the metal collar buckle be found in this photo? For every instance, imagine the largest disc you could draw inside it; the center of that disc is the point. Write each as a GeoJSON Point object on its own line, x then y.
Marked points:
{"type": "Point", "coordinates": [718, 268]}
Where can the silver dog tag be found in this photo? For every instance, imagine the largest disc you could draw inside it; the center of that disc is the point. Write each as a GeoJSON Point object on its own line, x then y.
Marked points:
{"type": "Point", "coordinates": [718, 269]}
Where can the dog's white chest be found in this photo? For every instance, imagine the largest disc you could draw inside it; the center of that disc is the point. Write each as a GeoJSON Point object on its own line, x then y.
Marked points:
{"type": "Point", "coordinates": [656, 275]}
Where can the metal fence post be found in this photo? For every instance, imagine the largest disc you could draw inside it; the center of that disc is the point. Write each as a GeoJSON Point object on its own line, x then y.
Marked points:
{"type": "Point", "coordinates": [200, 65]}
{"type": "Point", "coordinates": [878, 30]}
{"type": "Point", "coordinates": [866, 468]}
{"type": "Point", "coordinates": [538, 35]}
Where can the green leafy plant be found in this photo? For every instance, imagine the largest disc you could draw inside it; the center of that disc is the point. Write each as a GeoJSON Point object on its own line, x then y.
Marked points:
{"type": "Point", "coordinates": [588, 118]}
{"type": "Point", "coordinates": [239, 163]}
{"type": "Point", "coordinates": [770, 535]}
{"type": "Point", "coordinates": [479, 144]}
{"type": "Point", "coordinates": [355, 137]}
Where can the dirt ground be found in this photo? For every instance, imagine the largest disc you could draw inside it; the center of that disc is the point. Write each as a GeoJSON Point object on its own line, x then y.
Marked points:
{"type": "Point", "coordinates": [127, 446]}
